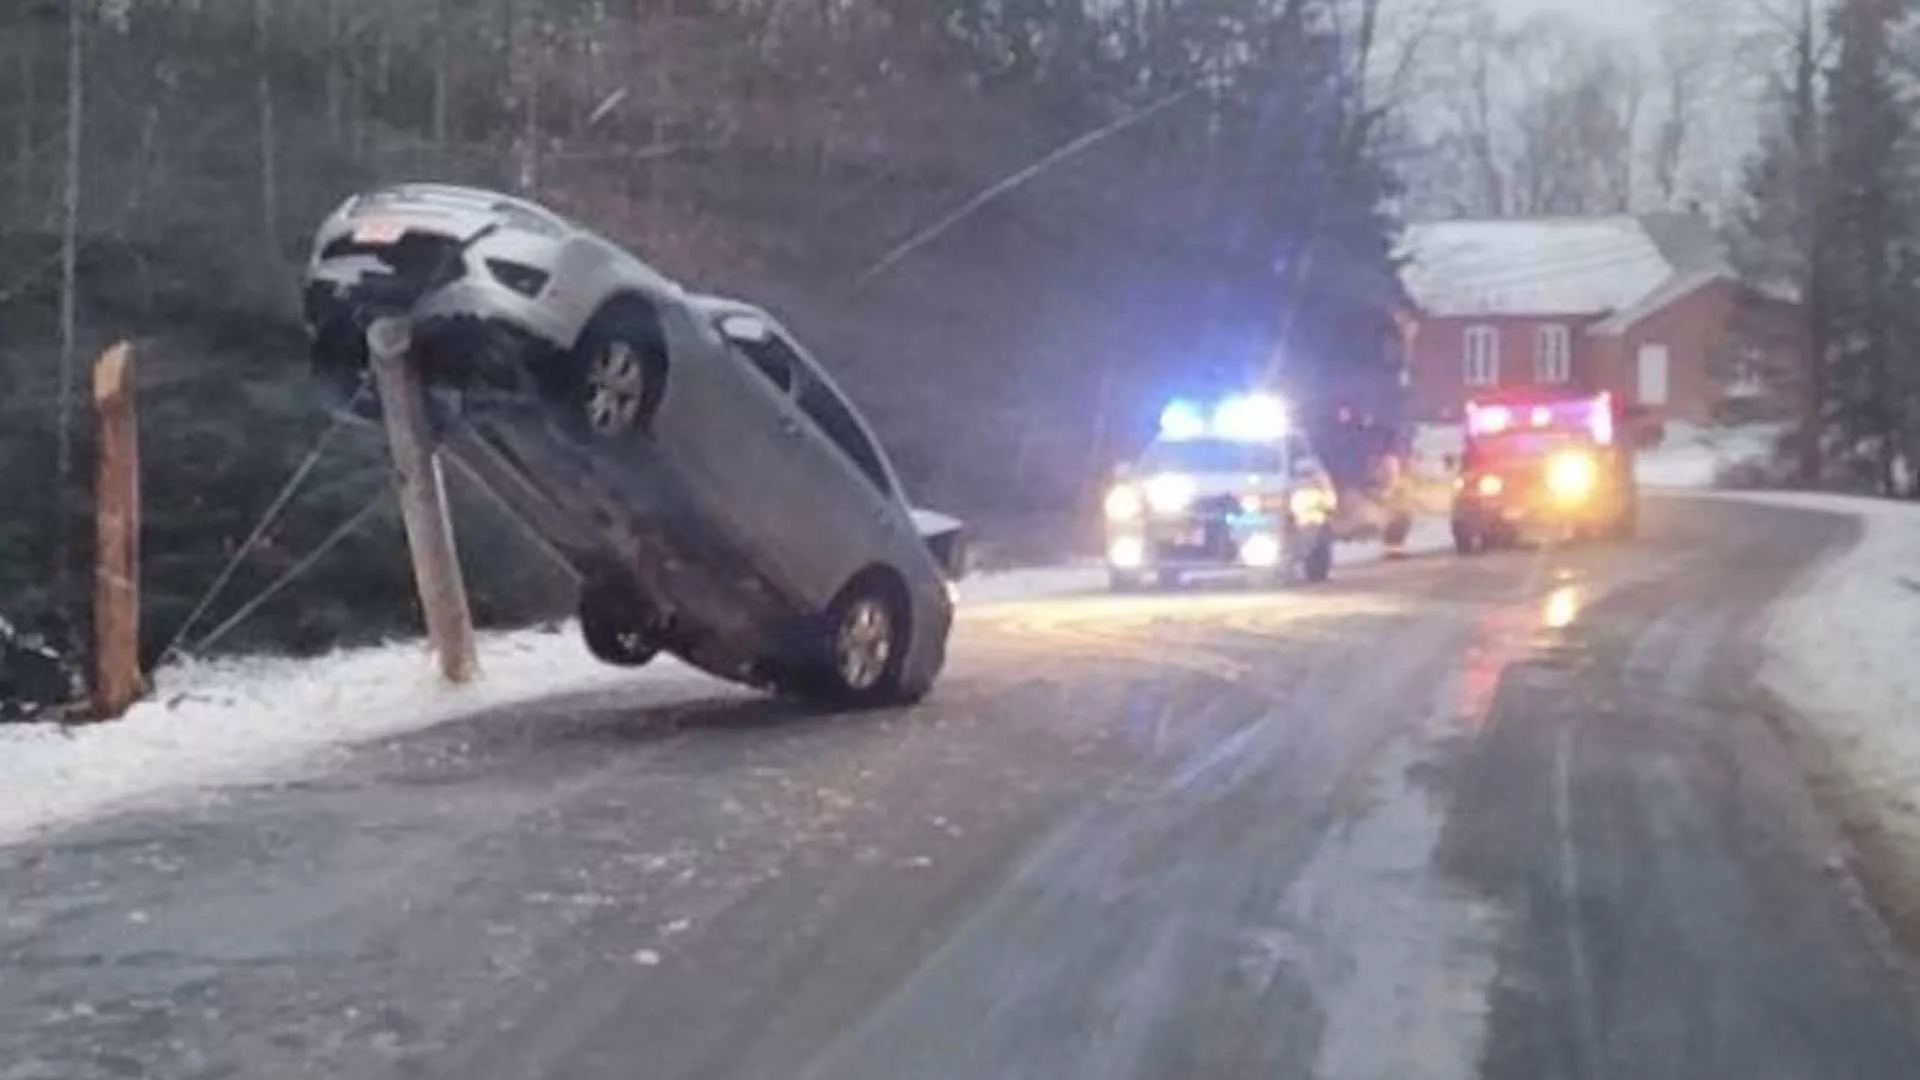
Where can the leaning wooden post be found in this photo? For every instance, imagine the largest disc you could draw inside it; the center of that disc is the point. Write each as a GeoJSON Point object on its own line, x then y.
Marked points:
{"type": "Point", "coordinates": [423, 500]}
{"type": "Point", "coordinates": [116, 580]}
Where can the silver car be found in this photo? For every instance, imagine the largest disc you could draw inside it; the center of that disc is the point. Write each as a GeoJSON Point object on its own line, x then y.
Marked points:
{"type": "Point", "coordinates": [719, 497]}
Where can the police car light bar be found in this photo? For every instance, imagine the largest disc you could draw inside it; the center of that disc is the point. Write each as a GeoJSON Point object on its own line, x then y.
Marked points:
{"type": "Point", "coordinates": [1488, 419]}
{"type": "Point", "coordinates": [1251, 418]}
{"type": "Point", "coordinates": [1594, 413]}
{"type": "Point", "coordinates": [1240, 418]}
{"type": "Point", "coordinates": [1181, 420]}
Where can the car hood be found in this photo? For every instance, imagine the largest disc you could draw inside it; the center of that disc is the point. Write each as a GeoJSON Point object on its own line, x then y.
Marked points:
{"type": "Point", "coordinates": [931, 523]}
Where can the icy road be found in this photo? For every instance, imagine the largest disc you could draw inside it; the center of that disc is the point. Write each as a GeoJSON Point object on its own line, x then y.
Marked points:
{"type": "Point", "coordinates": [1516, 817]}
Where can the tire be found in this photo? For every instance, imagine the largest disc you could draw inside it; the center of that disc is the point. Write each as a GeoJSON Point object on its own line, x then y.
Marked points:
{"type": "Point", "coordinates": [621, 374]}
{"type": "Point", "coordinates": [1395, 534]}
{"type": "Point", "coordinates": [1122, 581]}
{"type": "Point", "coordinates": [1467, 541]}
{"type": "Point", "coordinates": [866, 647]}
{"type": "Point", "coordinates": [1317, 565]}
{"type": "Point", "coordinates": [616, 626]}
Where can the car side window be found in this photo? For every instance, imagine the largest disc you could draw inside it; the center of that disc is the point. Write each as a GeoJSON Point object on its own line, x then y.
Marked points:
{"type": "Point", "coordinates": [771, 357]}
{"type": "Point", "coordinates": [835, 418]}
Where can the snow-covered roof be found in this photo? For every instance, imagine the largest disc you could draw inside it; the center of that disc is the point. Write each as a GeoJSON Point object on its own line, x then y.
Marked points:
{"type": "Point", "coordinates": [1679, 286]}
{"type": "Point", "coordinates": [1532, 266]}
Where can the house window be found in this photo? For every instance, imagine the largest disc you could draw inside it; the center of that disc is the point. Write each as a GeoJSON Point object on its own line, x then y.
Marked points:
{"type": "Point", "coordinates": [1552, 355]}
{"type": "Point", "coordinates": [1482, 356]}
{"type": "Point", "coordinates": [1652, 374]}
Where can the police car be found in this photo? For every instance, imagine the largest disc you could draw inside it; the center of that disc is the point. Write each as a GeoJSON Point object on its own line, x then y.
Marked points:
{"type": "Point", "coordinates": [1235, 489]}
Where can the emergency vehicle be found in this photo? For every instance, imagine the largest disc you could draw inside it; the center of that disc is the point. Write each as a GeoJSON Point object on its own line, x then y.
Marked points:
{"type": "Point", "coordinates": [1543, 467]}
{"type": "Point", "coordinates": [1238, 488]}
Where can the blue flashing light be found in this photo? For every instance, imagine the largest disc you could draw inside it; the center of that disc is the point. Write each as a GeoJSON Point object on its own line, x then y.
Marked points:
{"type": "Point", "coordinates": [1182, 420]}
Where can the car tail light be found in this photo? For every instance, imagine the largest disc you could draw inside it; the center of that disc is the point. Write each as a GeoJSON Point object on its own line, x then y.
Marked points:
{"type": "Point", "coordinates": [523, 279]}
{"type": "Point", "coordinates": [1489, 486]}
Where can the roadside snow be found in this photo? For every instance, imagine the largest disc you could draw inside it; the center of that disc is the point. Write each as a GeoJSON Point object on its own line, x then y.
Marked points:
{"type": "Point", "coordinates": [217, 722]}
{"type": "Point", "coordinates": [1841, 650]}
{"type": "Point", "coordinates": [1692, 457]}
{"type": "Point", "coordinates": [237, 720]}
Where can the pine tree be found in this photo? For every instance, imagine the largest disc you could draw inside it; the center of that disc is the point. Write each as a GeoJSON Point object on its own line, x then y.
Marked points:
{"type": "Point", "coordinates": [1868, 279]}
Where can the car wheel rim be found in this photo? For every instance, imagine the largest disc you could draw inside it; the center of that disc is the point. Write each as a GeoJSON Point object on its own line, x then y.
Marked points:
{"type": "Point", "coordinates": [865, 644]}
{"type": "Point", "coordinates": [616, 385]}
{"type": "Point", "coordinates": [630, 643]}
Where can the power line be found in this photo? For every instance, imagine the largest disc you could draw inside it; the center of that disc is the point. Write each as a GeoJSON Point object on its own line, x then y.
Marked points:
{"type": "Point", "coordinates": [1014, 180]}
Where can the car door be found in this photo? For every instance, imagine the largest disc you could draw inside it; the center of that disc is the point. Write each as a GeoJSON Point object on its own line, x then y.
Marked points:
{"type": "Point", "coordinates": [815, 520]}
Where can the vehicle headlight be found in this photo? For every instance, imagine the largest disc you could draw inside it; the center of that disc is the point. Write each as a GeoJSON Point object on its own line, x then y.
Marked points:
{"type": "Point", "coordinates": [1489, 486]}
{"type": "Point", "coordinates": [1572, 476]}
{"type": "Point", "coordinates": [1261, 550]}
{"type": "Point", "coordinates": [1170, 493]}
{"type": "Point", "coordinates": [1124, 503]}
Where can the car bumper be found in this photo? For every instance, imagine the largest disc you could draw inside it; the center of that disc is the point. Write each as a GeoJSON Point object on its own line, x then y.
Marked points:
{"type": "Point", "coordinates": [483, 308]}
{"type": "Point", "coordinates": [1257, 542]}
{"type": "Point", "coordinates": [1537, 513]}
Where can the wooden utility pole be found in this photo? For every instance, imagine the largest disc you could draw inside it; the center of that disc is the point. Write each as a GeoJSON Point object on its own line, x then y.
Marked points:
{"type": "Point", "coordinates": [116, 580]}
{"type": "Point", "coordinates": [423, 501]}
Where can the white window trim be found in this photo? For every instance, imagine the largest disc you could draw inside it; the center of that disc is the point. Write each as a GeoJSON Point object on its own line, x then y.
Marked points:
{"type": "Point", "coordinates": [1480, 356]}
{"type": "Point", "coordinates": [1552, 355]}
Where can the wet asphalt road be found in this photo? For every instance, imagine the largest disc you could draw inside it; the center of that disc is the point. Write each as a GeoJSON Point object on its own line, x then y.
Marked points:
{"type": "Point", "coordinates": [1514, 817]}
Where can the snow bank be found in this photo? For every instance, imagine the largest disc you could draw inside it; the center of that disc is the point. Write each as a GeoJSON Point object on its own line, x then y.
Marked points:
{"type": "Point", "coordinates": [222, 722]}
{"type": "Point", "coordinates": [1842, 650]}
{"type": "Point", "coordinates": [1692, 457]}
{"type": "Point", "coordinates": [209, 723]}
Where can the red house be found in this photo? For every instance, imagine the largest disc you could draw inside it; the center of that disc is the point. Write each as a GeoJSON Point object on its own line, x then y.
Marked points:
{"type": "Point", "coordinates": [1644, 306]}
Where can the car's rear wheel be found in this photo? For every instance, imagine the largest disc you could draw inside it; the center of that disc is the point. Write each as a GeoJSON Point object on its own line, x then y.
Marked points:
{"type": "Point", "coordinates": [622, 372]}
{"type": "Point", "coordinates": [618, 628]}
{"type": "Point", "coordinates": [1467, 540]}
{"type": "Point", "coordinates": [1124, 581]}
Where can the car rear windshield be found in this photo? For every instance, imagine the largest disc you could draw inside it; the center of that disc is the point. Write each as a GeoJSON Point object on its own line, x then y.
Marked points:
{"type": "Point", "coordinates": [1213, 456]}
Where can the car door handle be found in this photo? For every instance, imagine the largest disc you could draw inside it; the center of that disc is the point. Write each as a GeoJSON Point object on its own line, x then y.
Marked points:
{"type": "Point", "coordinates": [789, 426]}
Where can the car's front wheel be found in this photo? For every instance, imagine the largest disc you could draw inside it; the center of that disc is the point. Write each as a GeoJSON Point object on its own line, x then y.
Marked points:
{"type": "Point", "coordinates": [866, 648]}
{"type": "Point", "coordinates": [1468, 540]}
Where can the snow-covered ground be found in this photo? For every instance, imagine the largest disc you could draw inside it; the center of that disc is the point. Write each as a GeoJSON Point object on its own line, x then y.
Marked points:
{"type": "Point", "coordinates": [222, 722]}
{"type": "Point", "coordinates": [1697, 457]}
{"type": "Point", "coordinates": [1842, 652]}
